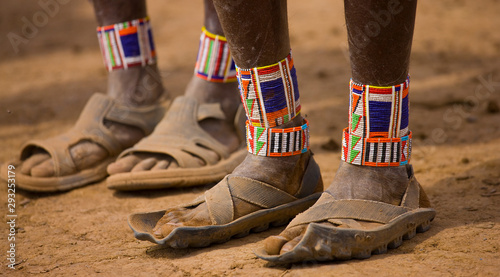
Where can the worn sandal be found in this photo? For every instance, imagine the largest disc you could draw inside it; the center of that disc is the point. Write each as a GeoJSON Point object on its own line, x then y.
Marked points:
{"type": "Point", "coordinates": [180, 136]}
{"type": "Point", "coordinates": [322, 242]}
{"type": "Point", "coordinates": [278, 207]}
{"type": "Point", "coordinates": [90, 126]}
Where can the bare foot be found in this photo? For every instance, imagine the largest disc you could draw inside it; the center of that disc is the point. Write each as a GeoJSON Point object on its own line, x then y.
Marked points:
{"type": "Point", "coordinates": [222, 130]}
{"type": "Point", "coordinates": [387, 184]}
{"type": "Point", "coordinates": [134, 87]}
{"type": "Point", "coordinates": [284, 173]}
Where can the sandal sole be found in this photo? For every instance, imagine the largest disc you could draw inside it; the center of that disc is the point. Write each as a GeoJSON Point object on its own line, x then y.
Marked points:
{"type": "Point", "coordinates": [185, 177]}
{"type": "Point", "coordinates": [63, 183]}
{"type": "Point", "coordinates": [323, 243]}
{"type": "Point", "coordinates": [143, 223]}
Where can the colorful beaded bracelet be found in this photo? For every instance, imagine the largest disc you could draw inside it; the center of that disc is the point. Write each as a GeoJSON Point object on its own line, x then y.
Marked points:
{"type": "Point", "coordinates": [127, 44]}
{"type": "Point", "coordinates": [270, 93]}
{"type": "Point", "coordinates": [376, 151]}
{"type": "Point", "coordinates": [277, 142]}
{"type": "Point", "coordinates": [214, 62]}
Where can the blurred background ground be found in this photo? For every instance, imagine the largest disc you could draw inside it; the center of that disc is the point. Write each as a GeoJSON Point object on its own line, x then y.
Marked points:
{"type": "Point", "coordinates": [46, 79]}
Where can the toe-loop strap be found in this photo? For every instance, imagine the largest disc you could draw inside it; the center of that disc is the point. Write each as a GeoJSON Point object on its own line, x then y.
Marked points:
{"type": "Point", "coordinates": [220, 198]}
{"type": "Point", "coordinates": [366, 210]}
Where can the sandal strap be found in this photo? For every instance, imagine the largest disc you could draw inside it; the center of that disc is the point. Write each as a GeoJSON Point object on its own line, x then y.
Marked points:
{"type": "Point", "coordinates": [258, 193]}
{"type": "Point", "coordinates": [220, 203]}
{"type": "Point", "coordinates": [212, 110]}
{"type": "Point", "coordinates": [220, 199]}
{"type": "Point", "coordinates": [144, 118]}
{"type": "Point", "coordinates": [90, 126]}
{"type": "Point", "coordinates": [329, 208]}
{"type": "Point", "coordinates": [365, 210]}
{"type": "Point", "coordinates": [413, 195]}
{"type": "Point", "coordinates": [180, 136]}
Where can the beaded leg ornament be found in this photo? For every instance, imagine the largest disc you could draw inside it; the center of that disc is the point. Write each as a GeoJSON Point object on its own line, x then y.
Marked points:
{"type": "Point", "coordinates": [378, 133]}
{"type": "Point", "coordinates": [127, 44]}
{"type": "Point", "coordinates": [270, 96]}
{"type": "Point", "coordinates": [214, 62]}
{"type": "Point", "coordinates": [277, 142]}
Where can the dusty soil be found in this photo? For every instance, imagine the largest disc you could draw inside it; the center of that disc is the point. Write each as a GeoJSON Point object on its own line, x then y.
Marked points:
{"type": "Point", "coordinates": [455, 118]}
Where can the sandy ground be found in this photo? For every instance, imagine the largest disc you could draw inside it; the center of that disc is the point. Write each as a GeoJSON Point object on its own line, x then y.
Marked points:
{"type": "Point", "coordinates": [46, 79]}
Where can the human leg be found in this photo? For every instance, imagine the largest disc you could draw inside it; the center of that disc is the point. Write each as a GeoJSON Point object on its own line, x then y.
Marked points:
{"type": "Point", "coordinates": [213, 82]}
{"type": "Point", "coordinates": [376, 146]}
{"type": "Point", "coordinates": [279, 159]}
{"type": "Point", "coordinates": [134, 85]}
{"type": "Point", "coordinates": [131, 88]}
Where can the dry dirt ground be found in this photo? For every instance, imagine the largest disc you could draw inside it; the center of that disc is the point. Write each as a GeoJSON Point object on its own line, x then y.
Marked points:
{"type": "Point", "coordinates": [47, 77]}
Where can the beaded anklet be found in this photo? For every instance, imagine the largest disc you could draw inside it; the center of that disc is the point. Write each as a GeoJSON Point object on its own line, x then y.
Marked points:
{"type": "Point", "coordinates": [214, 62]}
{"type": "Point", "coordinates": [277, 142]}
{"type": "Point", "coordinates": [270, 94]}
{"type": "Point", "coordinates": [379, 111]}
{"type": "Point", "coordinates": [378, 116]}
{"type": "Point", "coordinates": [127, 44]}
{"type": "Point", "coordinates": [376, 151]}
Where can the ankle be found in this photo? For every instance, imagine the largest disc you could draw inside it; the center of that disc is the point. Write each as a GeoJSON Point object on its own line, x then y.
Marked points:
{"type": "Point", "coordinates": [285, 173]}
{"type": "Point", "coordinates": [211, 92]}
{"type": "Point", "coordinates": [129, 55]}
{"type": "Point", "coordinates": [384, 184]}
{"type": "Point", "coordinates": [136, 86]}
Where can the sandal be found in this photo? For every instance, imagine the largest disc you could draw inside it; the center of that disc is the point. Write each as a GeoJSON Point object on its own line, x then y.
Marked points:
{"type": "Point", "coordinates": [278, 207]}
{"type": "Point", "coordinates": [90, 126]}
{"type": "Point", "coordinates": [322, 242]}
{"type": "Point", "coordinates": [180, 136]}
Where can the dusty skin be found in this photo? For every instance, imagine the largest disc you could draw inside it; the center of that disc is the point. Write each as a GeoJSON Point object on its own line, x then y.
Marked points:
{"type": "Point", "coordinates": [455, 118]}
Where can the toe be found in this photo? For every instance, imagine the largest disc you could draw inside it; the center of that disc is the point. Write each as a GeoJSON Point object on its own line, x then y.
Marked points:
{"type": "Point", "coordinates": [44, 169]}
{"type": "Point", "coordinates": [165, 229]}
{"type": "Point", "coordinates": [181, 217]}
{"type": "Point", "coordinates": [33, 161]}
{"type": "Point", "coordinates": [285, 241]}
{"type": "Point", "coordinates": [274, 244]}
{"type": "Point", "coordinates": [169, 216]}
{"type": "Point", "coordinates": [86, 154]}
{"type": "Point", "coordinates": [124, 164]}
{"type": "Point", "coordinates": [144, 165]}
{"type": "Point", "coordinates": [160, 165]}
{"type": "Point", "coordinates": [287, 247]}
{"type": "Point", "coordinates": [173, 164]}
